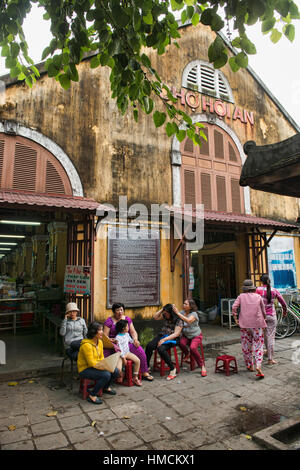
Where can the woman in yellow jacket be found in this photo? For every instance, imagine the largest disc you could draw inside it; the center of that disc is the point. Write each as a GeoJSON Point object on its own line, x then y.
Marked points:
{"type": "Point", "coordinates": [91, 352]}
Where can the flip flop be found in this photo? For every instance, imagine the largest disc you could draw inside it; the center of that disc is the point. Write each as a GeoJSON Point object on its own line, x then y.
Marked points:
{"type": "Point", "coordinates": [171, 377]}
{"type": "Point", "coordinates": [260, 375]}
{"type": "Point", "coordinates": [148, 377]}
{"type": "Point", "coordinates": [203, 373]}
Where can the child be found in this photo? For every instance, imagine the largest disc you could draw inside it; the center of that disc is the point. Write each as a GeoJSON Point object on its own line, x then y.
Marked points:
{"type": "Point", "coordinates": [123, 338]}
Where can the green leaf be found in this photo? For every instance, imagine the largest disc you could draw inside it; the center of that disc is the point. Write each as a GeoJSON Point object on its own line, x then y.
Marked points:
{"type": "Point", "coordinates": [135, 114]}
{"type": "Point", "coordinates": [159, 118]}
{"type": "Point", "coordinates": [268, 24]}
{"type": "Point", "coordinates": [5, 51]}
{"type": "Point", "coordinates": [95, 62]}
{"type": "Point", "coordinates": [148, 19]}
{"type": "Point", "coordinates": [14, 50]}
{"type": "Point", "coordinates": [289, 32]}
{"type": "Point", "coordinates": [242, 59]}
{"type": "Point", "coordinates": [171, 128]}
{"type": "Point", "coordinates": [52, 70]}
{"type": "Point", "coordinates": [248, 46]}
{"type": "Point", "coordinates": [233, 65]}
{"type": "Point", "coordinates": [65, 81]}
{"type": "Point", "coordinates": [275, 35]}
{"type": "Point", "coordinates": [195, 19]}
{"type": "Point", "coordinates": [181, 135]}
{"type": "Point", "coordinates": [221, 61]}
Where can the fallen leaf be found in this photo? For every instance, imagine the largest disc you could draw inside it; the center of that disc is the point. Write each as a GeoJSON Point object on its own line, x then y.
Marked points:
{"type": "Point", "coordinates": [12, 384]}
{"type": "Point", "coordinates": [126, 417]}
{"type": "Point", "coordinates": [93, 423]}
{"type": "Point", "coordinates": [242, 408]}
{"type": "Point", "coordinates": [248, 437]}
{"type": "Point", "coordinates": [11, 427]}
{"type": "Point", "coordinates": [52, 413]}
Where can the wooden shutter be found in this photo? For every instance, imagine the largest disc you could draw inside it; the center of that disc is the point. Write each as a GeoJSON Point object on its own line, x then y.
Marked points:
{"type": "Point", "coordinates": [232, 154]}
{"type": "Point", "coordinates": [1, 157]}
{"type": "Point", "coordinates": [221, 193]}
{"type": "Point", "coordinates": [208, 80]}
{"type": "Point", "coordinates": [236, 196]}
{"type": "Point", "coordinates": [204, 149]}
{"type": "Point", "coordinates": [54, 182]}
{"type": "Point", "coordinates": [223, 91]}
{"type": "Point", "coordinates": [206, 198]}
{"type": "Point", "coordinates": [24, 177]}
{"type": "Point", "coordinates": [188, 146]}
{"type": "Point", "coordinates": [192, 78]}
{"type": "Point", "coordinates": [219, 147]}
{"type": "Point", "coordinates": [189, 187]}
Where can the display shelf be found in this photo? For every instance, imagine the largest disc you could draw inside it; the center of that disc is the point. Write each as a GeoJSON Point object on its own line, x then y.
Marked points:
{"type": "Point", "coordinates": [226, 312]}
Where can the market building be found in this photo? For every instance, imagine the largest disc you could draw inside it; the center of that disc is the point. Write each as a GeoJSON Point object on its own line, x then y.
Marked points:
{"type": "Point", "coordinates": [74, 172]}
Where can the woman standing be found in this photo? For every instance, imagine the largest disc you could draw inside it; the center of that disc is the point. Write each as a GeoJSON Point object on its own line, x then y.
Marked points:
{"type": "Point", "coordinates": [269, 294]}
{"type": "Point", "coordinates": [252, 323]}
{"type": "Point", "coordinates": [73, 329]}
{"type": "Point", "coordinates": [90, 353]}
{"type": "Point", "coordinates": [191, 333]}
{"type": "Point", "coordinates": [167, 338]}
{"type": "Point", "coordinates": [118, 310]}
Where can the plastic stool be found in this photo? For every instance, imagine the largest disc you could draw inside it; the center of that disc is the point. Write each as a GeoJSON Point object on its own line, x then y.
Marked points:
{"type": "Point", "coordinates": [192, 360]}
{"type": "Point", "coordinates": [84, 387]}
{"type": "Point", "coordinates": [226, 366]}
{"type": "Point", "coordinates": [127, 381]}
{"type": "Point", "coordinates": [159, 364]}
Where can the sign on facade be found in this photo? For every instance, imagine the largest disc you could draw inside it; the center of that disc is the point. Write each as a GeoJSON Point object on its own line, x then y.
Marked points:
{"type": "Point", "coordinates": [133, 268]}
{"type": "Point", "coordinates": [77, 280]}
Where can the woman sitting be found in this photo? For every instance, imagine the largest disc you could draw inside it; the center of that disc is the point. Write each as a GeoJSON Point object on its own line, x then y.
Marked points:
{"type": "Point", "coordinates": [118, 310]}
{"type": "Point", "coordinates": [167, 338]}
{"type": "Point", "coordinates": [191, 333]}
{"type": "Point", "coordinates": [90, 353]}
{"type": "Point", "coordinates": [73, 329]}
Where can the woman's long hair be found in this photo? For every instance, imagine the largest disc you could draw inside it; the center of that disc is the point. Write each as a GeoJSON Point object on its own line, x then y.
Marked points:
{"type": "Point", "coordinates": [93, 329]}
{"type": "Point", "coordinates": [169, 309]}
{"type": "Point", "coordinates": [266, 282]}
{"type": "Point", "coordinates": [193, 305]}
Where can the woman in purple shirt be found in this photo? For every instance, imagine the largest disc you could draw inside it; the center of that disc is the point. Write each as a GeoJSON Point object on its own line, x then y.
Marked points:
{"type": "Point", "coordinates": [269, 295]}
{"type": "Point", "coordinates": [109, 330]}
{"type": "Point", "coordinates": [252, 323]}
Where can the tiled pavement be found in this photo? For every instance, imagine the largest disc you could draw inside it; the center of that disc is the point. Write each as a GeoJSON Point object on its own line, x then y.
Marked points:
{"type": "Point", "coordinates": [189, 413]}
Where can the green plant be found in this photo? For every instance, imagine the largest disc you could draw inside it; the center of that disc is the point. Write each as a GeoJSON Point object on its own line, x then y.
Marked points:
{"type": "Point", "coordinates": [146, 335]}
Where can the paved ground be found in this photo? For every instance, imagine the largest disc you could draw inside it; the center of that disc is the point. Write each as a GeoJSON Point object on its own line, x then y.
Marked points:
{"type": "Point", "coordinates": [189, 413]}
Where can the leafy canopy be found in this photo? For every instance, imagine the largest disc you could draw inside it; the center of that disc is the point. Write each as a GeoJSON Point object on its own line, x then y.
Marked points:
{"type": "Point", "coordinates": [117, 33]}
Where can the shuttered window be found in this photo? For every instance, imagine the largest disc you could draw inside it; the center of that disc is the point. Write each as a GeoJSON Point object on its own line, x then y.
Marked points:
{"type": "Point", "coordinates": [27, 166]}
{"type": "Point", "coordinates": [202, 77]}
{"type": "Point", "coordinates": [210, 173]}
{"type": "Point", "coordinates": [189, 187]}
{"type": "Point", "coordinates": [25, 162]}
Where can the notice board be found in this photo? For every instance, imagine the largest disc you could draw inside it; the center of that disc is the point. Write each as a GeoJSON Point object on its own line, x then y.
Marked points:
{"type": "Point", "coordinates": [133, 268]}
{"type": "Point", "coordinates": [77, 280]}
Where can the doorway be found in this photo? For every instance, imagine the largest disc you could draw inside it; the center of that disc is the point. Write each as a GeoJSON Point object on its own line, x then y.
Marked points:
{"type": "Point", "coordinates": [219, 278]}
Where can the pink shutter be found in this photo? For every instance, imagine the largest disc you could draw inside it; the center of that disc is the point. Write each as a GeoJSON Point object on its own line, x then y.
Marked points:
{"type": "Point", "coordinates": [206, 198]}
{"type": "Point", "coordinates": [54, 183]}
{"type": "Point", "coordinates": [189, 187]}
{"type": "Point", "coordinates": [1, 157]}
{"type": "Point", "coordinates": [219, 146]}
{"type": "Point", "coordinates": [236, 196]}
{"type": "Point", "coordinates": [204, 149]}
{"type": "Point", "coordinates": [232, 155]}
{"type": "Point", "coordinates": [221, 193]}
{"type": "Point", "coordinates": [188, 146]}
{"type": "Point", "coordinates": [25, 162]}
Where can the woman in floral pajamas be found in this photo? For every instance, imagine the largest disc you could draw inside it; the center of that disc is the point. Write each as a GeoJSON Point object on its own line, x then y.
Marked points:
{"type": "Point", "coordinates": [269, 294]}
{"type": "Point", "coordinates": [252, 323]}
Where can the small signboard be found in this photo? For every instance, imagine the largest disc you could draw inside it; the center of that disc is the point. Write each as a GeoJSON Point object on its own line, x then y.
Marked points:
{"type": "Point", "coordinates": [77, 280]}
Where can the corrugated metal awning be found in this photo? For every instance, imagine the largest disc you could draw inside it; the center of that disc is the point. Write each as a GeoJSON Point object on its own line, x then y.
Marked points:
{"type": "Point", "coordinates": [230, 219]}
{"type": "Point", "coordinates": [20, 198]}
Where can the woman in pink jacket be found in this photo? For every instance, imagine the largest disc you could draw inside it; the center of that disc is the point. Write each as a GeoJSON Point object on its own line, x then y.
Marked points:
{"type": "Point", "coordinates": [269, 295]}
{"type": "Point", "coordinates": [252, 323]}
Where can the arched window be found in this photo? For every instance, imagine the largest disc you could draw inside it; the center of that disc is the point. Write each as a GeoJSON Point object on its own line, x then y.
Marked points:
{"type": "Point", "coordinates": [27, 166]}
{"type": "Point", "coordinates": [202, 77]}
{"type": "Point", "coordinates": [210, 174]}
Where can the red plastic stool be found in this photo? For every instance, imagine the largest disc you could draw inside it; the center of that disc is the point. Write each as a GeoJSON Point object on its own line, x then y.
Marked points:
{"type": "Point", "coordinates": [191, 359]}
{"type": "Point", "coordinates": [159, 364]}
{"type": "Point", "coordinates": [84, 387]}
{"type": "Point", "coordinates": [226, 366]}
{"type": "Point", "coordinates": [127, 381]}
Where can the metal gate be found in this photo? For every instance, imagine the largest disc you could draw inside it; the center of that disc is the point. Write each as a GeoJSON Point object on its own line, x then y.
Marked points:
{"type": "Point", "coordinates": [80, 252]}
{"type": "Point", "coordinates": [257, 255]}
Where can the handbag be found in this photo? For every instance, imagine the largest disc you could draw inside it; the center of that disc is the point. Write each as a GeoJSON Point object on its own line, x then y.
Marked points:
{"type": "Point", "coordinates": [109, 363]}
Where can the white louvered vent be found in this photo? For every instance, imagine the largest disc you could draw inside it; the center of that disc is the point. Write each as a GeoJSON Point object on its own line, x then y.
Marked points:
{"type": "Point", "coordinates": [24, 168]}
{"type": "Point", "coordinates": [54, 182]}
{"type": "Point", "coordinates": [207, 79]}
{"type": "Point", "coordinates": [202, 77]}
{"type": "Point", "coordinates": [192, 78]}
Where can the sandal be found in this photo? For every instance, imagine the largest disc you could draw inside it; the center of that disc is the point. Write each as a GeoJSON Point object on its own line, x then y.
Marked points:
{"type": "Point", "coordinates": [171, 377]}
{"type": "Point", "coordinates": [137, 381]}
{"type": "Point", "coordinates": [259, 374]}
{"type": "Point", "coordinates": [148, 377]}
{"type": "Point", "coordinates": [203, 373]}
